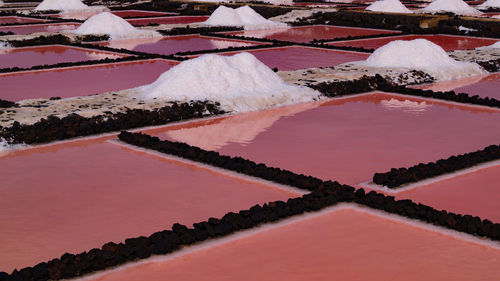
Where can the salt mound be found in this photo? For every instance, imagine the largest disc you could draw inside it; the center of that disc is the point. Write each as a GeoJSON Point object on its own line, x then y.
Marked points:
{"type": "Point", "coordinates": [61, 5]}
{"type": "Point", "coordinates": [4, 45]}
{"type": "Point", "coordinates": [494, 46]}
{"type": "Point", "coordinates": [1, 3]}
{"type": "Point", "coordinates": [489, 4]}
{"type": "Point", "coordinates": [239, 83]}
{"type": "Point", "coordinates": [388, 6]}
{"type": "Point", "coordinates": [458, 7]}
{"type": "Point", "coordinates": [114, 26]}
{"type": "Point", "coordinates": [243, 16]}
{"type": "Point", "coordinates": [421, 54]}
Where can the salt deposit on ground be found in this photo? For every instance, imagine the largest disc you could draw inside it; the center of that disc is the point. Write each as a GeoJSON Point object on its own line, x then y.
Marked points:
{"type": "Point", "coordinates": [494, 46]}
{"type": "Point", "coordinates": [421, 54]}
{"type": "Point", "coordinates": [61, 5]}
{"type": "Point", "coordinates": [239, 83]}
{"type": "Point", "coordinates": [490, 4]}
{"type": "Point", "coordinates": [413, 107]}
{"type": "Point", "coordinates": [4, 45]}
{"type": "Point", "coordinates": [114, 26]}
{"type": "Point", "coordinates": [388, 6]}
{"type": "Point", "coordinates": [458, 7]}
{"type": "Point", "coordinates": [243, 16]}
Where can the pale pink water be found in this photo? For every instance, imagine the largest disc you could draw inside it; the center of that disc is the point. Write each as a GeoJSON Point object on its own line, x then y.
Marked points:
{"type": "Point", "coordinates": [15, 19]}
{"type": "Point", "coordinates": [35, 28]}
{"type": "Point", "coordinates": [168, 20]}
{"type": "Point", "coordinates": [483, 86]}
{"type": "Point", "coordinates": [79, 195]}
{"type": "Point", "coordinates": [308, 33]}
{"type": "Point", "coordinates": [447, 42]}
{"type": "Point", "coordinates": [90, 80]}
{"type": "Point", "coordinates": [52, 54]}
{"type": "Point", "coordinates": [340, 245]}
{"type": "Point", "coordinates": [139, 13]}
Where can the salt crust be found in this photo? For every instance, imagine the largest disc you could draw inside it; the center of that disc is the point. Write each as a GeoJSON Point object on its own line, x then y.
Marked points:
{"type": "Point", "coordinates": [388, 6]}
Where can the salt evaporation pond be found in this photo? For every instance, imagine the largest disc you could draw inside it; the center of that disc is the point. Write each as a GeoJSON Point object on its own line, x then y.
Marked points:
{"type": "Point", "coordinates": [303, 34]}
{"type": "Point", "coordinates": [339, 244]}
{"type": "Point", "coordinates": [447, 42]}
{"type": "Point", "coordinates": [90, 79]}
{"type": "Point", "coordinates": [486, 86]}
{"type": "Point", "coordinates": [139, 13]}
{"type": "Point", "coordinates": [50, 54]}
{"type": "Point", "coordinates": [16, 19]}
{"type": "Point", "coordinates": [175, 44]}
{"type": "Point", "coordinates": [35, 28]}
{"type": "Point", "coordinates": [167, 20]}
{"type": "Point", "coordinates": [78, 195]}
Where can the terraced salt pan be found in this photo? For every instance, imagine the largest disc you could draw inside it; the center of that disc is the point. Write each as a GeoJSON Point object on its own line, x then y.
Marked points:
{"type": "Point", "coordinates": [75, 196]}
{"type": "Point", "coordinates": [36, 28]}
{"type": "Point", "coordinates": [15, 19]}
{"type": "Point", "coordinates": [347, 243]}
{"type": "Point", "coordinates": [50, 54]}
{"type": "Point", "coordinates": [90, 80]}
{"type": "Point", "coordinates": [483, 86]}
{"type": "Point", "coordinates": [303, 34]}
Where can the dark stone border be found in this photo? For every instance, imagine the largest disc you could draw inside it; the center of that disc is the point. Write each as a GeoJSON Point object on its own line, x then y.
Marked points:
{"type": "Point", "coordinates": [198, 30]}
{"type": "Point", "coordinates": [6, 33]}
{"type": "Point", "coordinates": [7, 104]}
{"type": "Point", "coordinates": [232, 49]}
{"type": "Point", "coordinates": [400, 176]}
{"type": "Point", "coordinates": [54, 40]}
{"type": "Point", "coordinates": [359, 37]}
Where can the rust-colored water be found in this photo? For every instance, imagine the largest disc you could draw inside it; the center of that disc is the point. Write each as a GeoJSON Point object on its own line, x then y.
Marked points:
{"type": "Point", "coordinates": [52, 54]}
{"type": "Point", "coordinates": [14, 19]}
{"type": "Point", "coordinates": [76, 196]}
{"type": "Point", "coordinates": [447, 42]}
{"type": "Point", "coordinates": [81, 81]}
{"type": "Point", "coordinates": [168, 20]}
{"type": "Point", "coordinates": [340, 245]}
{"type": "Point", "coordinates": [34, 28]}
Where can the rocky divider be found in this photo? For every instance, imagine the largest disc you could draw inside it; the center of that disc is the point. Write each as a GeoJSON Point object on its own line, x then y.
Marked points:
{"type": "Point", "coordinates": [54, 128]}
{"type": "Point", "coordinates": [7, 104]}
{"type": "Point", "coordinates": [397, 177]}
{"type": "Point", "coordinates": [56, 39]}
{"type": "Point", "coordinates": [199, 30]}
{"type": "Point", "coordinates": [6, 33]}
{"type": "Point", "coordinates": [350, 38]}
{"type": "Point", "coordinates": [490, 66]}
{"type": "Point", "coordinates": [233, 49]}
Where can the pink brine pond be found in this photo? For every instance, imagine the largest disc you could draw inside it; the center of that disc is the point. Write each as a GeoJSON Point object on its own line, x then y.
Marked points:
{"type": "Point", "coordinates": [15, 19]}
{"type": "Point", "coordinates": [167, 20]}
{"type": "Point", "coordinates": [483, 86]}
{"type": "Point", "coordinates": [35, 28]}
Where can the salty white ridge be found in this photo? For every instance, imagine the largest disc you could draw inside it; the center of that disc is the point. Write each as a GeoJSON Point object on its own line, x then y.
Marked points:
{"type": "Point", "coordinates": [114, 26]}
{"type": "Point", "coordinates": [388, 6]}
{"type": "Point", "coordinates": [61, 5]}
{"type": "Point", "coordinates": [239, 83]}
{"type": "Point", "coordinates": [243, 16]}
{"type": "Point", "coordinates": [421, 54]}
{"type": "Point", "coordinates": [489, 4]}
{"type": "Point", "coordinates": [494, 46]}
{"type": "Point", "coordinates": [458, 7]}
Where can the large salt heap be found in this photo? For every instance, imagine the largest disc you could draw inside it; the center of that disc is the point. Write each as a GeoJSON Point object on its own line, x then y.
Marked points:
{"type": "Point", "coordinates": [388, 6]}
{"type": "Point", "coordinates": [421, 54]}
{"type": "Point", "coordinates": [457, 7]}
{"type": "Point", "coordinates": [61, 5]}
{"type": "Point", "coordinates": [490, 4]}
{"type": "Point", "coordinates": [114, 26]}
{"type": "Point", "coordinates": [239, 83]}
{"type": "Point", "coordinates": [243, 16]}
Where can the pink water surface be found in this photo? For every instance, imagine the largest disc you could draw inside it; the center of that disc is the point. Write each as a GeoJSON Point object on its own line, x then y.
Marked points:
{"type": "Point", "coordinates": [483, 86]}
{"type": "Point", "coordinates": [90, 80]}
{"type": "Point", "coordinates": [340, 245]}
{"type": "Point", "coordinates": [138, 13]}
{"type": "Point", "coordinates": [35, 28]}
{"type": "Point", "coordinates": [447, 42]}
{"type": "Point", "coordinates": [308, 33]}
{"type": "Point", "coordinates": [79, 195]}
{"type": "Point", "coordinates": [14, 19]}
{"type": "Point", "coordinates": [51, 54]}
{"type": "Point", "coordinates": [167, 20]}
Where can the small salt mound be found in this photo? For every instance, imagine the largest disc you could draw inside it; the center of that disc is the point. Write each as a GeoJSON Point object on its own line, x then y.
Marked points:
{"type": "Point", "coordinates": [388, 6]}
{"type": "Point", "coordinates": [490, 4]}
{"type": "Point", "coordinates": [4, 45]}
{"type": "Point", "coordinates": [494, 46]}
{"type": "Point", "coordinates": [421, 54]}
{"type": "Point", "coordinates": [61, 5]}
{"type": "Point", "coordinates": [1, 3]}
{"type": "Point", "coordinates": [239, 83]}
{"type": "Point", "coordinates": [457, 7]}
{"type": "Point", "coordinates": [243, 16]}
{"type": "Point", "coordinates": [114, 26]}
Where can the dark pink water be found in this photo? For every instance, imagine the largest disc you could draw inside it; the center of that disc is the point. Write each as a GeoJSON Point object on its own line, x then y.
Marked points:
{"type": "Point", "coordinates": [483, 86]}
{"type": "Point", "coordinates": [35, 28]}
{"type": "Point", "coordinates": [79, 195]}
{"type": "Point", "coordinates": [308, 33]}
{"type": "Point", "coordinates": [139, 13]}
{"type": "Point", "coordinates": [14, 19]}
{"type": "Point", "coordinates": [175, 44]}
{"type": "Point", "coordinates": [447, 42]}
{"type": "Point", "coordinates": [343, 245]}
{"type": "Point", "coordinates": [81, 81]}
{"type": "Point", "coordinates": [51, 54]}
{"type": "Point", "coordinates": [167, 20]}
{"type": "Point", "coordinates": [298, 57]}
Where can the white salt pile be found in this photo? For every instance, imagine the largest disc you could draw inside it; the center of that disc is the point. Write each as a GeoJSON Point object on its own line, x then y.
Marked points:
{"type": "Point", "coordinates": [4, 45]}
{"type": "Point", "coordinates": [1, 3]}
{"type": "Point", "coordinates": [489, 4]}
{"type": "Point", "coordinates": [239, 83]}
{"type": "Point", "coordinates": [61, 5]}
{"type": "Point", "coordinates": [421, 54]}
{"type": "Point", "coordinates": [494, 46]}
{"type": "Point", "coordinates": [388, 6]}
{"type": "Point", "coordinates": [243, 16]}
{"type": "Point", "coordinates": [457, 7]}
{"type": "Point", "coordinates": [114, 26]}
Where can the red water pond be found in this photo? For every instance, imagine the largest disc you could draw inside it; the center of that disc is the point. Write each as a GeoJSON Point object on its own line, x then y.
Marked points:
{"type": "Point", "coordinates": [483, 86]}
{"type": "Point", "coordinates": [35, 28]}
{"type": "Point", "coordinates": [344, 244]}
{"type": "Point", "coordinates": [76, 196]}
{"type": "Point", "coordinates": [51, 54]}
{"type": "Point", "coordinates": [308, 33]}
{"type": "Point", "coordinates": [347, 139]}
{"type": "Point", "coordinates": [447, 42]}
{"type": "Point", "coordinates": [14, 19]}
{"type": "Point", "coordinates": [175, 44]}
{"type": "Point", "coordinates": [299, 57]}
{"type": "Point", "coordinates": [167, 20]}
{"type": "Point", "coordinates": [80, 81]}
